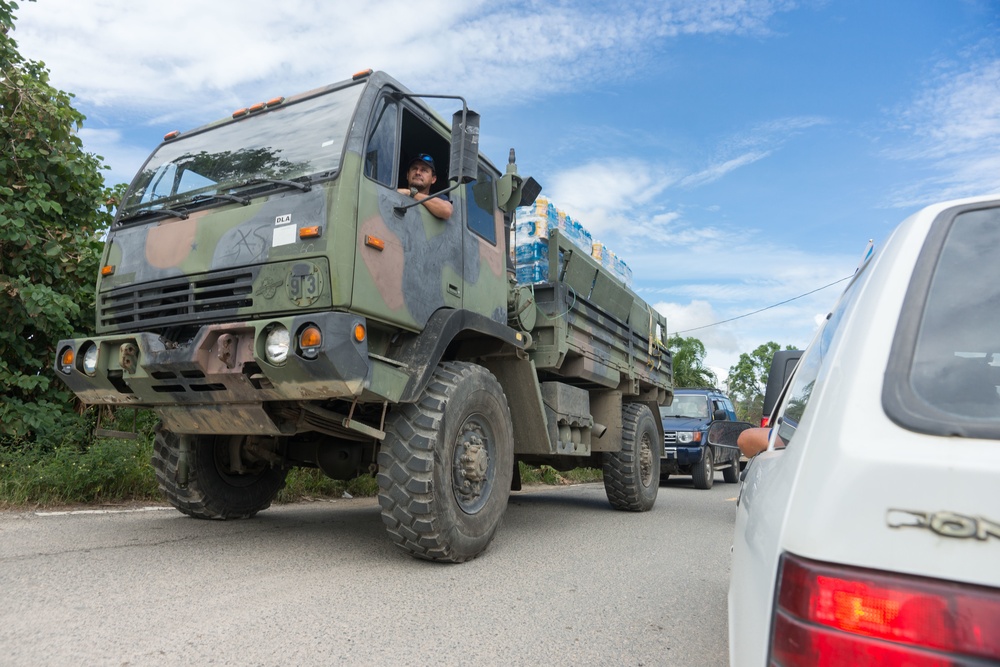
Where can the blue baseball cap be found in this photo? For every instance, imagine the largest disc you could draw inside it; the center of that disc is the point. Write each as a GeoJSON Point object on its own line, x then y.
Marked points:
{"type": "Point", "coordinates": [426, 159]}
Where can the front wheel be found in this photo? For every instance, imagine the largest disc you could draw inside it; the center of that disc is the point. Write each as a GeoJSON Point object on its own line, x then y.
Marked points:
{"type": "Point", "coordinates": [732, 474]}
{"type": "Point", "coordinates": [703, 473]}
{"type": "Point", "coordinates": [632, 476]}
{"type": "Point", "coordinates": [212, 490]}
{"type": "Point", "coordinates": [446, 464]}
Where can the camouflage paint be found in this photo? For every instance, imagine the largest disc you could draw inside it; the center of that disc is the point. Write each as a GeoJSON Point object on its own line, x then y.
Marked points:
{"type": "Point", "coordinates": [223, 275]}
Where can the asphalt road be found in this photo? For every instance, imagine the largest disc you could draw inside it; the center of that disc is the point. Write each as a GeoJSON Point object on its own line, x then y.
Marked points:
{"type": "Point", "coordinates": [567, 581]}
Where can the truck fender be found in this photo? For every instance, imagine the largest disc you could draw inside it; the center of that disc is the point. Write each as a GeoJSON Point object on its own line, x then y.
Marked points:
{"type": "Point", "coordinates": [478, 334]}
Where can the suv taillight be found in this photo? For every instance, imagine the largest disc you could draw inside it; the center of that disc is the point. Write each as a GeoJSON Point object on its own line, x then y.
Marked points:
{"type": "Point", "coordinates": [837, 615]}
{"type": "Point", "coordinates": [764, 421]}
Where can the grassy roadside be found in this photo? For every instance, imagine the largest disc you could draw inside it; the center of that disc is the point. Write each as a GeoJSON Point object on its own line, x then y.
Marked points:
{"type": "Point", "coordinates": [113, 471]}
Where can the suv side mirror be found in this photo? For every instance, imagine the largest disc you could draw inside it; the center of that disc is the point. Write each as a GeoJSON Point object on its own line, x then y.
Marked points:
{"type": "Point", "coordinates": [725, 434]}
{"type": "Point", "coordinates": [720, 415]}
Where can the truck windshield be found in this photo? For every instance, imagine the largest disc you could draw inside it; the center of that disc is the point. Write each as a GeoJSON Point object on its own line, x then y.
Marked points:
{"type": "Point", "coordinates": [293, 141]}
{"type": "Point", "coordinates": [686, 406]}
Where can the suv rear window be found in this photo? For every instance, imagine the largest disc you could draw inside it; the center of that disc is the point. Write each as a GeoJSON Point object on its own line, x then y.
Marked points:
{"type": "Point", "coordinates": [944, 368]}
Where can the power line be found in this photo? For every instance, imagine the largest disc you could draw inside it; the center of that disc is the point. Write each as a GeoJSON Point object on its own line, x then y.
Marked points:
{"type": "Point", "coordinates": [761, 310]}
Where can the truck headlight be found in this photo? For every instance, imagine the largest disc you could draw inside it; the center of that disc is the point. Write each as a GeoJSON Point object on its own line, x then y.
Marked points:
{"type": "Point", "coordinates": [89, 359]}
{"type": "Point", "coordinates": [687, 437]}
{"type": "Point", "coordinates": [276, 344]}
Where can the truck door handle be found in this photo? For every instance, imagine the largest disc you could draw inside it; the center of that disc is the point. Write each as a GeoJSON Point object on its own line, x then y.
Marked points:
{"type": "Point", "coordinates": [453, 289]}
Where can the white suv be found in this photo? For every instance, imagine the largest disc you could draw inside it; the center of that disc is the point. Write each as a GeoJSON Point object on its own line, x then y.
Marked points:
{"type": "Point", "coordinates": [868, 533]}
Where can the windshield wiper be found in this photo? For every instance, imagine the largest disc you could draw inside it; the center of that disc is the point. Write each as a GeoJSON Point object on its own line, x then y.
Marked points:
{"type": "Point", "coordinates": [152, 211]}
{"type": "Point", "coordinates": [243, 201]}
{"type": "Point", "coordinates": [305, 187]}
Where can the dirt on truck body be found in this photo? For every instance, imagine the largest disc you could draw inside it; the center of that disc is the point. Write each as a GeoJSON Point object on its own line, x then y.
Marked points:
{"type": "Point", "coordinates": [269, 292]}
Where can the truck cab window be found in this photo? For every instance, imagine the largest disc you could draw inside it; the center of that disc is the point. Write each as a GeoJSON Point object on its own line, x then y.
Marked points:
{"type": "Point", "coordinates": [381, 148]}
{"type": "Point", "coordinates": [480, 195]}
{"type": "Point", "coordinates": [418, 137]}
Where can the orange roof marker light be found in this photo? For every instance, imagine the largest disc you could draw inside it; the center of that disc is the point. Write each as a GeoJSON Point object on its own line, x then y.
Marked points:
{"type": "Point", "coordinates": [241, 112]}
{"type": "Point", "coordinates": [254, 108]}
{"type": "Point", "coordinates": [171, 135]}
{"type": "Point", "coordinates": [362, 74]}
{"type": "Point", "coordinates": [275, 101]}
{"type": "Point", "coordinates": [310, 232]}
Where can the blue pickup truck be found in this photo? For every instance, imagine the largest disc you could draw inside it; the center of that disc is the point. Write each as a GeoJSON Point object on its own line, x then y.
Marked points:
{"type": "Point", "coordinates": [685, 437]}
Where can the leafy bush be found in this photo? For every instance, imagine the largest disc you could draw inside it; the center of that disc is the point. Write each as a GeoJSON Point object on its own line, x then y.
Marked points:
{"type": "Point", "coordinates": [110, 470]}
{"type": "Point", "coordinates": [51, 222]}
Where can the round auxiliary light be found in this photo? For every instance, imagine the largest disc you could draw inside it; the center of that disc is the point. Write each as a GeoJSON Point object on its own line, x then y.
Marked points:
{"type": "Point", "coordinates": [310, 340]}
{"type": "Point", "coordinates": [89, 359]}
{"type": "Point", "coordinates": [66, 358]}
{"type": "Point", "coordinates": [359, 332]}
{"type": "Point", "coordinates": [276, 344]}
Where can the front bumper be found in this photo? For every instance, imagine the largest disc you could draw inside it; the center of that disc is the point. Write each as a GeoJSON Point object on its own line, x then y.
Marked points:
{"type": "Point", "coordinates": [222, 369]}
{"type": "Point", "coordinates": [682, 455]}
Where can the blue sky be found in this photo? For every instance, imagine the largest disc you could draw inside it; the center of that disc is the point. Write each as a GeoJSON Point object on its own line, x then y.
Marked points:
{"type": "Point", "coordinates": [735, 153]}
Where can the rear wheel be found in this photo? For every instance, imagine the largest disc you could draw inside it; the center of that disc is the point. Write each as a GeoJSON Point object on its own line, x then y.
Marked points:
{"type": "Point", "coordinates": [703, 473]}
{"type": "Point", "coordinates": [212, 489]}
{"type": "Point", "coordinates": [446, 464]}
{"type": "Point", "coordinates": [632, 476]}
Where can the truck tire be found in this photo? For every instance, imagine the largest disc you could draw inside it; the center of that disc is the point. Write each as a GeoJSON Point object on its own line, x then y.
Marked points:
{"type": "Point", "coordinates": [446, 464]}
{"type": "Point", "coordinates": [632, 476]}
{"type": "Point", "coordinates": [212, 492]}
{"type": "Point", "coordinates": [732, 474]}
{"type": "Point", "coordinates": [703, 473]}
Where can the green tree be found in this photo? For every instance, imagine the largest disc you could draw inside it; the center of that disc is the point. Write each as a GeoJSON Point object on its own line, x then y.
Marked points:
{"type": "Point", "coordinates": [51, 222]}
{"type": "Point", "coordinates": [748, 380]}
{"type": "Point", "coordinates": [689, 363]}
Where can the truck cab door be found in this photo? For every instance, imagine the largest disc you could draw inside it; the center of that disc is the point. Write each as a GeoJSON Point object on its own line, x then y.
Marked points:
{"type": "Point", "coordinates": [409, 263]}
{"type": "Point", "coordinates": [483, 232]}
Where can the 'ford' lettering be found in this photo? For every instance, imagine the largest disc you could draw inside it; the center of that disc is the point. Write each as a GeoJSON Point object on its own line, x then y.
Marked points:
{"type": "Point", "coordinates": [945, 524]}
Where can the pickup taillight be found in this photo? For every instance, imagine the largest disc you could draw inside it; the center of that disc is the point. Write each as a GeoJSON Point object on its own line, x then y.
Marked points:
{"type": "Point", "coordinates": [837, 615]}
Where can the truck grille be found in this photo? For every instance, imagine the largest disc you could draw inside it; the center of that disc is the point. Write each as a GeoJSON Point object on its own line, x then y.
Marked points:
{"type": "Point", "coordinates": [176, 300]}
{"type": "Point", "coordinates": [670, 437]}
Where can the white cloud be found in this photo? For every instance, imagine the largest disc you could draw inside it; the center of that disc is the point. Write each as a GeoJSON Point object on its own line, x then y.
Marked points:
{"type": "Point", "coordinates": [610, 197]}
{"type": "Point", "coordinates": [751, 145]}
{"type": "Point", "coordinates": [952, 130]}
{"type": "Point", "coordinates": [146, 55]}
{"type": "Point", "coordinates": [715, 172]}
{"type": "Point", "coordinates": [115, 153]}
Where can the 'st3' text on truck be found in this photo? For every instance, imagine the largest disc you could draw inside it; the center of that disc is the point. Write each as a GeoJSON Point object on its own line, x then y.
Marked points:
{"type": "Point", "coordinates": [272, 296]}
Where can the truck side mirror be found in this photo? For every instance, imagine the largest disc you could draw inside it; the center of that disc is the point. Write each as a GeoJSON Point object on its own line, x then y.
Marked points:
{"type": "Point", "coordinates": [720, 415]}
{"type": "Point", "coordinates": [464, 147]}
{"type": "Point", "coordinates": [513, 191]}
{"type": "Point", "coordinates": [529, 192]}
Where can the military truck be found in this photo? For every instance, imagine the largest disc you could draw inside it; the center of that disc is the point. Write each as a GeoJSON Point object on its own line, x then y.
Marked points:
{"type": "Point", "coordinates": [275, 296]}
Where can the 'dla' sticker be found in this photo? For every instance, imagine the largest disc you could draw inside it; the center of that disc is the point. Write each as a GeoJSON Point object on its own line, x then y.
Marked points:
{"type": "Point", "coordinates": [284, 231]}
